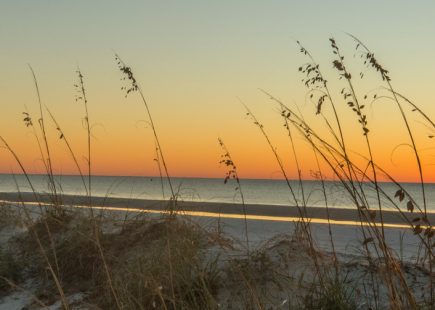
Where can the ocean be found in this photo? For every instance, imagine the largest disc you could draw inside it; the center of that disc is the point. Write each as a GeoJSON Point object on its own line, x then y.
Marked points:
{"type": "Point", "coordinates": [262, 192]}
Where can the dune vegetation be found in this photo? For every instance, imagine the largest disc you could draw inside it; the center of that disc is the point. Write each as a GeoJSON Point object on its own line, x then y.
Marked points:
{"type": "Point", "coordinates": [53, 255]}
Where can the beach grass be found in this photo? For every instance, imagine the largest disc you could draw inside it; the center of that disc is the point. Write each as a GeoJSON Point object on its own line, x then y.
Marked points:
{"type": "Point", "coordinates": [91, 258]}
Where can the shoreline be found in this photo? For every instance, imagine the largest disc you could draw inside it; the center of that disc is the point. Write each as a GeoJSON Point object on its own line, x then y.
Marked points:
{"type": "Point", "coordinates": [343, 216]}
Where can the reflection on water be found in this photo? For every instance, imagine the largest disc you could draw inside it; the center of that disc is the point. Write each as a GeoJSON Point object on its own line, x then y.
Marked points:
{"type": "Point", "coordinates": [237, 216]}
{"type": "Point", "coordinates": [268, 192]}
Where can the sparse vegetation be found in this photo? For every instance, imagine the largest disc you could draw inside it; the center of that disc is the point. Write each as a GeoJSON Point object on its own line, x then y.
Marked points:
{"type": "Point", "coordinates": [134, 260]}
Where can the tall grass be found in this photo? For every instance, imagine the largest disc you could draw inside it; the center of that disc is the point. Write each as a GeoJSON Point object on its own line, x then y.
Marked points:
{"type": "Point", "coordinates": [177, 262]}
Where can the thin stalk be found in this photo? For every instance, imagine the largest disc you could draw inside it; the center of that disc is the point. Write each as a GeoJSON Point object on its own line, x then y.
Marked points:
{"type": "Point", "coordinates": [88, 130]}
{"type": "Point", "coordinates": [62, 136]}
{"type": "Point", "coordinates": [233, 173]}
{"type": "Point", "coordinates": [47, 149]}
{"type": "Point", "coordinates": [136, 87]}
{"type": "Point", "coordinates": [320, 78]}
{"type": "Point", "coordinates": [14, 286]}
{"type": "Point", "coordinates": [160, 171]}
{"type": "Point", "coordinates": [386, 78]}
{"type": "Point", "coordinates": [340, 66]}
{"type": "Point", "coordinates": [35, 195]}
{"type": "Point", "coordinates": [305, 221]}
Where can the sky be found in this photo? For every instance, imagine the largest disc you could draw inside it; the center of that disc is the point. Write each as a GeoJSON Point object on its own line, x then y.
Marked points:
{"type": "Point", "coordinates": [196, 62]}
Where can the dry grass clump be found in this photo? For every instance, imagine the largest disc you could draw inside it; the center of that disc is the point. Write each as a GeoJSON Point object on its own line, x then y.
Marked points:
{"type": "Point", "coordinates": [282, 273]}
{"type": "Point", "coordinates": [145, 281]}
{"type": "Point", "coordinates": [136, 254]}
{"type": "Point", "coordinates": [212, 270]}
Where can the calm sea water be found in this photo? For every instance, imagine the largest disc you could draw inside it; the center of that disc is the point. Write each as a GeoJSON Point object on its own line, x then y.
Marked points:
{"type": "Point", "coordinates": [268, 192]}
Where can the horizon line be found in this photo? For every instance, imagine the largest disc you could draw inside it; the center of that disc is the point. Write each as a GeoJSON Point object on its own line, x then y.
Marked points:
{"type": "Point", "coordinates": [158, 177]}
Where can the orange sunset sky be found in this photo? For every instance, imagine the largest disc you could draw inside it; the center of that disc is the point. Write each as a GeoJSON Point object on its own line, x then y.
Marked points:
{"type": "Point", "coordinates": [195, 61]}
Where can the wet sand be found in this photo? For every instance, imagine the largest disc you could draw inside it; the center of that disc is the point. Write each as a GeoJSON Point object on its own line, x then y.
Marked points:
{"type": "Point", "coordinates": [254, 211]}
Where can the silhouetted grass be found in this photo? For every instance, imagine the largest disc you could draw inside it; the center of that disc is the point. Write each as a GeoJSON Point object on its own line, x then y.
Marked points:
{"type": "Point", "coordinates": [139, 261]}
